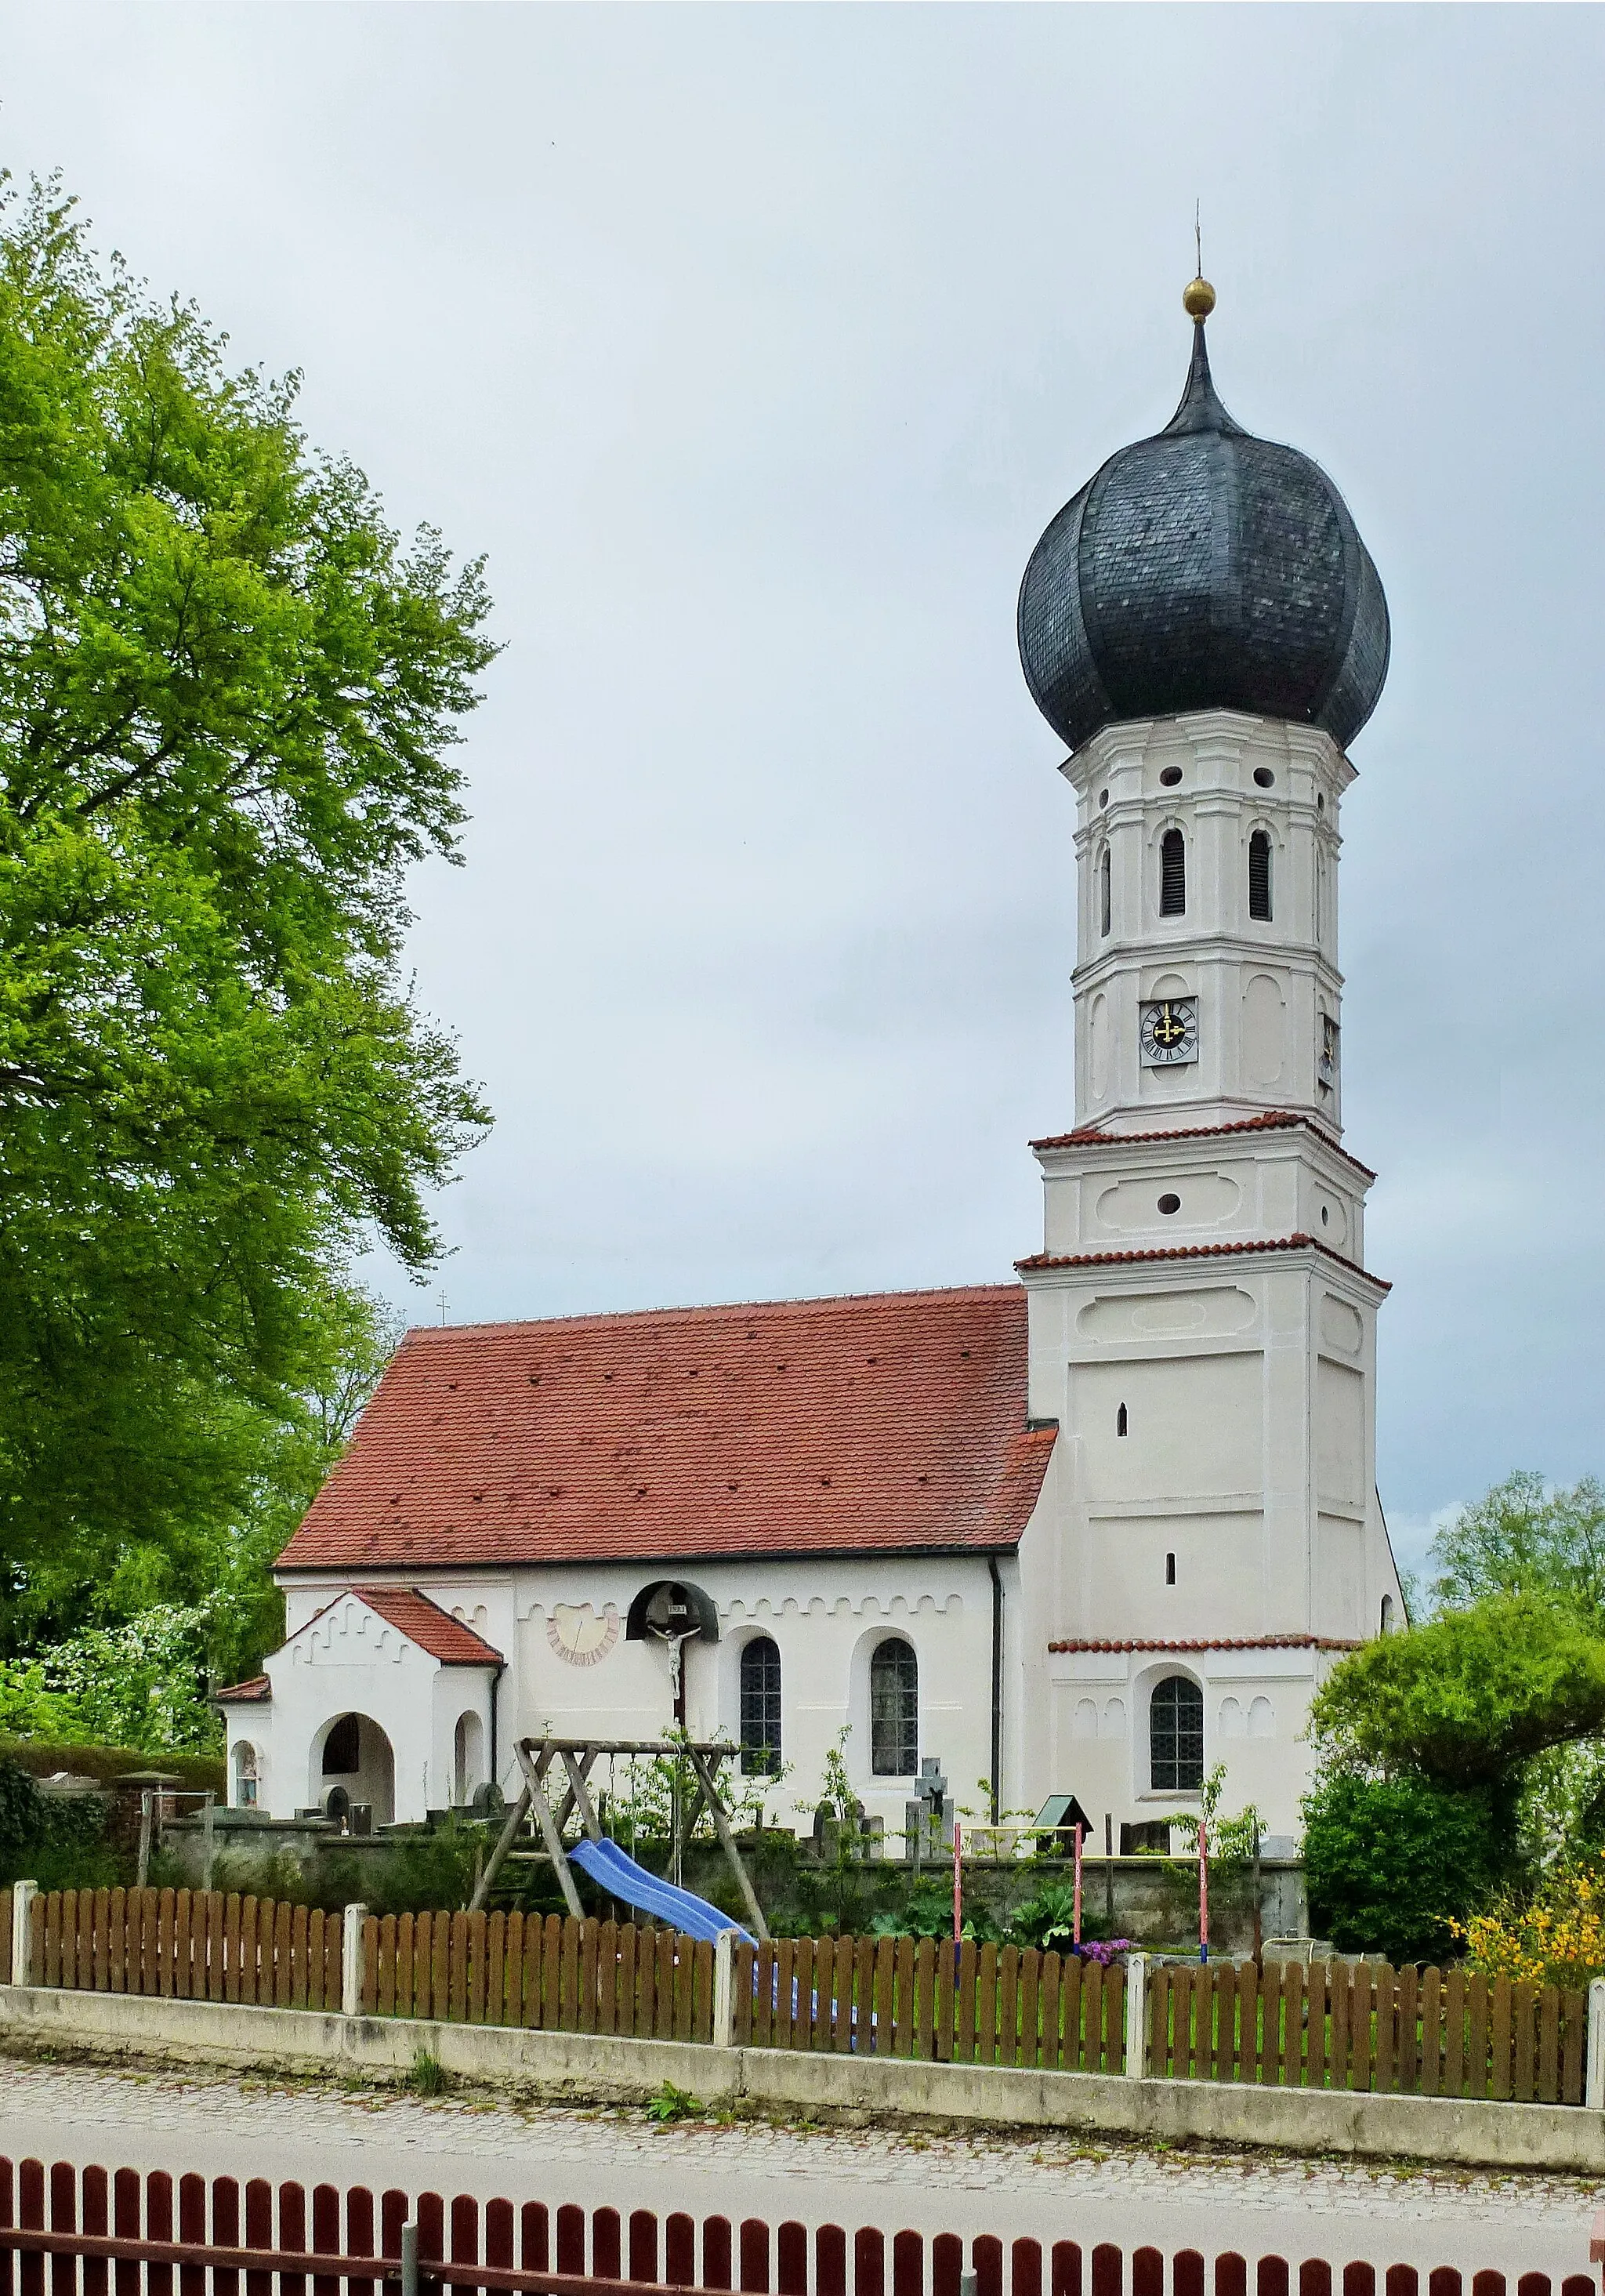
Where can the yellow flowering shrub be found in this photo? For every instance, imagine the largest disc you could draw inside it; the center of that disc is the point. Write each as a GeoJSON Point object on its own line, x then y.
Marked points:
{"type": "Point", "coordinates": [1555, 1938]}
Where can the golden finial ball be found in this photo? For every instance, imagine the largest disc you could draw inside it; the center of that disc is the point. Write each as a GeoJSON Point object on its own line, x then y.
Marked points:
{"type": "Point", "coordinates": [1198, 299]}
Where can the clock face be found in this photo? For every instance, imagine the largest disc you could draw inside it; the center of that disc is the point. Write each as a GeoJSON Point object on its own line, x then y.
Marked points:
{"type": "Point", "coordinates": [1169, 1032]}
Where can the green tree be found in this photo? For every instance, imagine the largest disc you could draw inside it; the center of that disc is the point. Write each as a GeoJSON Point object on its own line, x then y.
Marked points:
{"type": "Point", "coordinates": [228, 697]}
{"type": "Point", "coordinates": [1470, 1698]}
{"type": "Point", "coordinates": [1392, 1862]}
{"type": "Point", "coordinates": [1524, 1538]}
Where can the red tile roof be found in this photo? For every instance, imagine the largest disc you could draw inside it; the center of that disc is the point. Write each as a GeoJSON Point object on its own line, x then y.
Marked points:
{"type": "Point", "coordinates": [425, 1623]}
{"type": "Point", "coordinates": [1294, 1242]}
{"type": "Point", "coordinates": [256, 1692]}
{"type": "Point", "coordinates": [894, 1424]}
{"type": "Point", "coordinates": [1237, 1642]}
{"type": "Point", "coordinates": [1276, 1119]}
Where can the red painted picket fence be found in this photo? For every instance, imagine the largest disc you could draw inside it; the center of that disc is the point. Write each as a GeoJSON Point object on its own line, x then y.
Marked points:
{"type": "Point", "coordinates": [89, 2232]}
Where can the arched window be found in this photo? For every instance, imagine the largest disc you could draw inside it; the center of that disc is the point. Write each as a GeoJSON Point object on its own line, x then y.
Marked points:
{"type": "Point", "coordinates": [342, 1749]}
{"type": "Point", "coordinates": [1386, 1625]}
{"type": "Point", "coordinates": [1173, 874]}
{"type": "Point", "coordinates": [1103, 892]}
{"type": "Point", "coordinates": [1176, 1735]}
{"type": "Point", "coordinates": [893, 1710]}
{"type": "Point", "coordinates": [1259, 875]}
{"type": "Point", "coordinates": [760, 1708]}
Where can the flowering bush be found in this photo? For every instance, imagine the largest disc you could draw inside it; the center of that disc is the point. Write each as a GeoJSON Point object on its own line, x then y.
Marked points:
{"type": "Point", "coordinates": [1102, 1950]}
{"type": "Point", "coordinates": [140, 1685]}
{"type": "Point", "coordinates": [1555, 1938]}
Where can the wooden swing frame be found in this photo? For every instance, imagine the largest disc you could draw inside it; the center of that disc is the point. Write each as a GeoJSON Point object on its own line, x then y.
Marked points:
{"type": "Point", "coordinates": [538, 1758]}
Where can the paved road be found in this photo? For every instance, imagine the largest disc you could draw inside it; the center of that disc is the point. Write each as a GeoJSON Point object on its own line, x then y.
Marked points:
{"type": "Point", "coordinates": [1053, 2188]}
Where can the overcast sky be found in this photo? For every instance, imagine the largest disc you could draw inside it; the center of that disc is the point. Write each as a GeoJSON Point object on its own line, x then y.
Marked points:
{"type": "Point", "coordinates": [755, 345]}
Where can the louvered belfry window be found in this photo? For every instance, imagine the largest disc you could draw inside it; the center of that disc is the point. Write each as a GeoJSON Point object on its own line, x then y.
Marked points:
{"type": "Point", "coordinates": [1176, 1735]}
{"type": "Point", "coordinates": [1259, 875]}
{"type": "Point", "coordinates": [1173, 874]}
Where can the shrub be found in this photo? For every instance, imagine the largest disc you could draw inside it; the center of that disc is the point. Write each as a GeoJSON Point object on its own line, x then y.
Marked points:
{"type": "Point", "coordinates": [1394, 1865]}
{"type": "Point", "coordinates": [1557, 1937]}
{"type": "Point", "coordinates": [59, 1843]}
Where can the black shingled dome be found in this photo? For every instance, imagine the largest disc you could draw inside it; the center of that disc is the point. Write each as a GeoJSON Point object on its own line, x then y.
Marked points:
{"type": "Point", "coordinates": [1203, 568]}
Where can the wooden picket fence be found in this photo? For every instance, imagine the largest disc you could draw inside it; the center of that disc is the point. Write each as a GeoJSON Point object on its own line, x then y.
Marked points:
{"type": "Point", "coordinates": [96, 2228]}
{"type": "Point", "coordinates": [184, 1945]}
{"type": "Point", "coordinates": [882, 1997]}
{"type": "Point", "coordinates": [1414, 2031]}
{"type": "Point", "coordinates": [1365, 2027]}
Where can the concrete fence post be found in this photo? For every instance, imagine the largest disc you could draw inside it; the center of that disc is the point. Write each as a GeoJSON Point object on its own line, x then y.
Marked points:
{"type": "Point", "coordinates": [723, 1990]}
{"type": "Point", "coordinates": [1594, 2090]}
{"type": "Point", "coordinates": [350, 1961]}
{"type": "Point", "coordinates": [23, 1894]}
{"type": "Point", "coordinates": [1136, 2017]}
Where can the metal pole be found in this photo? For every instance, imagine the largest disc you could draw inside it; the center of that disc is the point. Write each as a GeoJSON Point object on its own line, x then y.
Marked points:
{"type": "Point", "coordinates": [210, 1831]}
{"type": "Point", "coordinates": [1203, 1889]}
{"type": "Point", "coordinates": [958, 1882]}
{"type": "Point", "coordinates": [142, 1873]}
{"type": "Point", "coordinates": [1109, 1870]}
{"type": "Point", "coordinates": [409, 2260]}
{"type": "Point", "coordinates": [1593, 2094]}
{"type": "Point", "coordinates": [1077, 1932]}
{"type": "Point", "coordinates": [1136, 2016]}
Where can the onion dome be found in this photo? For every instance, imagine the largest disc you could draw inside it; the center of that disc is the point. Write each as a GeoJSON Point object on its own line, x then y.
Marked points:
{"type": "Point", "coordinates": [1204, 568]}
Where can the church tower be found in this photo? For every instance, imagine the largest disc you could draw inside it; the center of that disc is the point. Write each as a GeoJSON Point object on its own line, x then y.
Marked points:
{"type": "Point", "coordinates": [1203, 627]}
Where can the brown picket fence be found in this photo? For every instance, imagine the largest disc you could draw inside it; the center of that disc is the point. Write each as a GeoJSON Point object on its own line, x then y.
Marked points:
{"type": "Point", "coordinates": [184, 1945]}
{"type": "Point", "coordinates": [96, 2226]}
{"type": "Point", "coordinates": [882, 1997]}
{"type": "Point", "coordinates": [1414, 2031]}
{"type": "Point", "coordinates": [1365, 2027]}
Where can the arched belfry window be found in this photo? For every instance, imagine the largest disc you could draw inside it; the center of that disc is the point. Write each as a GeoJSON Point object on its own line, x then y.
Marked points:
{"type": "Point", "coordinates": [1259, 875]}
{"type": "Point", "coordinates": [1104, 905]}
{"type": "Point", "coordinates": [894, 1709]}
{"type": "Point", "coordinates": [760, 1708]}
{"type": "Point", "coordinates": [1173, 874]}
{"type": "Point", "coordinates": [1176, 1735]}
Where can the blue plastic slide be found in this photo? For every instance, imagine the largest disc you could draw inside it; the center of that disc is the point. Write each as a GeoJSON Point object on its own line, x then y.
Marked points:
{"type": "Point", "coordinates": [620, 1877]}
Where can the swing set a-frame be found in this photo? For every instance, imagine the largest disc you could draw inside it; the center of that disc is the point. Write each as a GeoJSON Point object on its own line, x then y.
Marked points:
{"type": "Point", "coordinates": [545, 1761]}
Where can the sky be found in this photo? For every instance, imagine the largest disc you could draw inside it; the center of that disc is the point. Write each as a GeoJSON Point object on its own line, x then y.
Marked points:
{"type": "Point", "coordinates": [755, 346]}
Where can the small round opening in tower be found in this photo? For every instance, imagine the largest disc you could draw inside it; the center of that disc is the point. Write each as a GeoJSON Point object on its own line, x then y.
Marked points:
{"type": "Point", "coordinates": [1171, 775]}
{"type": "Point", "coordinates": [1264, 776]}
{"type": "Point", "coordinates": [1103, 797]}
{"type": "Point", "coordinates": [1170, 1204]}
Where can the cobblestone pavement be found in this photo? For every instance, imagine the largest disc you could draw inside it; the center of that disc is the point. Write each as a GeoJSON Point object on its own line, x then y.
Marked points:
{"type": "Point", "coordinates": [1055, 2186]}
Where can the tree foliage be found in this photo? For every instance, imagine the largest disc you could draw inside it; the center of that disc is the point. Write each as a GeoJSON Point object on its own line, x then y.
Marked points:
{"type": "Point", "coordinates": [228, 697]}
{"type": "Point", "coordinates": [1523, 1538]}
{"type": "Point", "coordinates": [1393, 1864]}
{"type": "Point", "coordinates": [1469, 1697]}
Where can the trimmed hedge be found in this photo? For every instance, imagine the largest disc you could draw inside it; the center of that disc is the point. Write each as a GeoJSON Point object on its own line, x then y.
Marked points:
{"type": "Point", "coordinates": [43, 1758]}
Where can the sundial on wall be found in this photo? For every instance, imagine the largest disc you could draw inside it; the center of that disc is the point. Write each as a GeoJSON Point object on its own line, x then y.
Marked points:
{"type": "Point", "coordinates": [580, 1635]}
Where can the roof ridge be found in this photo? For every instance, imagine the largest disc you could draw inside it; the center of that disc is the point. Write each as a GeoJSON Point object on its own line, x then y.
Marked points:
{"type": "Point", "coordinates": [714, 1309]}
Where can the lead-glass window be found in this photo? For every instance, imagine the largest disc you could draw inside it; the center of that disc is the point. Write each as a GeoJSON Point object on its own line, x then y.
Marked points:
{"type": "Point", "coordinates": [893, 1710]}
{"type": "Point", "coordinates": [1176, 1735]}
{"type": "Point", "coordinates": [760, 1708]}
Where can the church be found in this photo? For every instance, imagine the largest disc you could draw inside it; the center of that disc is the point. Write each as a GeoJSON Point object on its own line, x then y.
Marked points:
{"type": "Point", "coordinates": [1089, 1531]}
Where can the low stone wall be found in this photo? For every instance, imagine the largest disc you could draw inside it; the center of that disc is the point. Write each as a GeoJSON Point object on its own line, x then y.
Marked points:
{"type": "Point", "coordinates": [1154, 1899]}
{"type": "Point", "coordinates": [585, 2067]}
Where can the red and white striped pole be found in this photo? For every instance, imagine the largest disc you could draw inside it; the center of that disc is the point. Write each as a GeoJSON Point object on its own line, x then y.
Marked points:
{"type": "Point", "coordinates": [958, 1882]}
{"type": "Point", "coordinates": [1203, 1890]}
